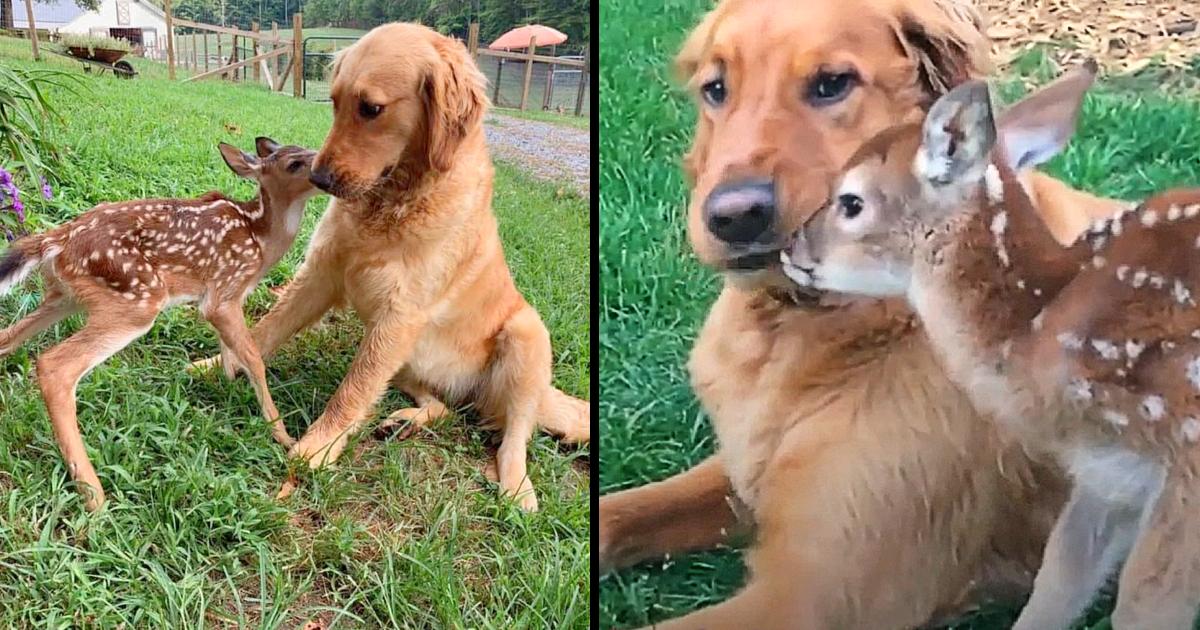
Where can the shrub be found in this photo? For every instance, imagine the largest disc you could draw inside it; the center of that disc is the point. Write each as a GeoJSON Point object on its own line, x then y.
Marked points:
{"type": "Point", "coordinates": [28, 158]}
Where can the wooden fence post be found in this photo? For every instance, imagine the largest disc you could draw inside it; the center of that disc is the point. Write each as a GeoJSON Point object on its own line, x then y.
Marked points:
{"type": "Point", "coordinates": [254, 51]}
{"type": "Point", "coordinates": [220, 52]}
{"type": "Point", "coordinates": [583, 77]}
{"type": "Point", "coordinates": [298, 54]}
{"type": "Point", "coordinates": [170, 41]}
{"type": "Point", "coordinates": [32, 29]}
{"type": "Point", "coordinates": [195, 53]}
{"type": "Point", "coordinates": [278, 60]}
{"type": "Point", "coordinates": [206, 51]}
{"type": "Point", "coordinates": [528, 71]}
{"type": "Point", "coordinates": [473, 39]}
{"type": "Point", "coordinates": [496, 91]}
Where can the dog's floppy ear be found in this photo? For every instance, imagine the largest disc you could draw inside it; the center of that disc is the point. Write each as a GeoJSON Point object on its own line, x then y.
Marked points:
{"type": "Point", "coordinates": [455, 99]}
{"type": "Point", "coordinates": [946, 40]}
{"type": "Point", "coordinates": [694, 48]}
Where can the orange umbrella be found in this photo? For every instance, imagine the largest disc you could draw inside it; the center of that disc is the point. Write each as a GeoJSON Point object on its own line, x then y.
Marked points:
{"type": "Point", "coordinates": [519, 37]}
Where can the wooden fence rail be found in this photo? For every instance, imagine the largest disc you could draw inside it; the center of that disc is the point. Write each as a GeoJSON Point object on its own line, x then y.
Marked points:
{"type": "Point", "coordinates": [256, 59]}
{"type": "Point", "coordinates": [530, 57]}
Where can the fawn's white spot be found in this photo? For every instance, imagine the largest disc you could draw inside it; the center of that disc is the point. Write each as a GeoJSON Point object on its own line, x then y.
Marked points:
{"type": "Point", "coordinates": [1122, 272]}
{"type": "Point", "coordinates": [1070, 340]}
{"type": "Point", "coordinates": [1098, 262]}
{"type": "Point", "coordinates": [1079, 389]}
{"type": "Point", "coordinates": [1107, 349]}
{"type": "Point", "coordinates": [1157, 281]}
{"type": "Point", "coordinates": [1115, 418]}
{"type": "Point", "coordinates": [1181, 293]}
{"type": "Point", "coordinates": [1036, 324]}
{"type": "Point", "coordinates": [1149, 218]}
{"type": "Point", "coordinates": [1174, 212]}
{"type": "Point", "coordinates": [1193, 372]}
{"type": "Point", "coordinates": [1134, 350]}
{"type": "Point", "coordinates": [1153, 408]}
{"type": "Point", "coordinates": [999, 225]}
{"type": "Point", "coordinates": [1139, 278]}
{"type": "Point", "coordinates": [993, 183]}
{"type": "Point", "coordinates": [1192, 210]}
{"type": "Point", "coordinates": [1190, 429]}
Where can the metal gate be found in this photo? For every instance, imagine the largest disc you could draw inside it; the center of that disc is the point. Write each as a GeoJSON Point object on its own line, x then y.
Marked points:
{"type": "Point", "coordinates": [318, 56]}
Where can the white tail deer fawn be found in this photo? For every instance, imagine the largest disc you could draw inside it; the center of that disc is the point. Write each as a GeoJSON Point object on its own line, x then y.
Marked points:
{"type": "Point", "coordinates": [1089, 353]}
{"type": "Point", "coordinates": [123, 263]}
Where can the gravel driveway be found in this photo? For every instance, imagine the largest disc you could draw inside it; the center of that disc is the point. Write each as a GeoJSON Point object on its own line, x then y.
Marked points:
{"type": "Point", "coordinates": [548, 151]}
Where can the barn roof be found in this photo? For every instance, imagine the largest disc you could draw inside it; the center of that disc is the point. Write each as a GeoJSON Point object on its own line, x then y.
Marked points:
{"type": "Point", "coordinates": [46, 13]}
{"type": "Point", "coordinates": [51, 14]}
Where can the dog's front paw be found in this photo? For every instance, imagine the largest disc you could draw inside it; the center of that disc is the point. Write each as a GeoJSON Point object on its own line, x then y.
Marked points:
{"type": "Point", "coordinates": [318, 448]}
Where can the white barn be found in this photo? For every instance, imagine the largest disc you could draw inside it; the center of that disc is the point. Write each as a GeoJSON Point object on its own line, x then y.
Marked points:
{"type": "Point", "coordinates": [137, 21]}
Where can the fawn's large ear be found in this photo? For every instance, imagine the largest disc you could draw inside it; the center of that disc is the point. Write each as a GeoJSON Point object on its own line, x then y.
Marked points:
{"type": "Point", "coordinates": [1038, 127]}
{"type": "Point", "coordinates": [958, 135]}
{"type": "Point", "coordinates": [265, 146]}
{"type": "Point", "coordinates": [455, 99]}
{"type": "Point", "coordinates": [240, 162]}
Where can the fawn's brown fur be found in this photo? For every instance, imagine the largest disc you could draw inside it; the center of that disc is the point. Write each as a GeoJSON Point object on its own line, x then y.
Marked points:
{"type": "Point", "coordinates": [123, 263]}
{"type": "Point", "coordinates": [1089, 352]}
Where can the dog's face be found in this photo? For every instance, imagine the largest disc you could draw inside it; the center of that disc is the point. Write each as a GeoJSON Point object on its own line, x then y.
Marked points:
{"type": "Point", "coordinates": [787, 92]}
{"type": "Point", "coordinates": [403, 96]}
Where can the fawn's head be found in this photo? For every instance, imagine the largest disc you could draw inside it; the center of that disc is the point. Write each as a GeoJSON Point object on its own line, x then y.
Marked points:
{"type": "Point", "coordinates": [903, 185]}
{"type": "Point", "coordinates": [282, 172]}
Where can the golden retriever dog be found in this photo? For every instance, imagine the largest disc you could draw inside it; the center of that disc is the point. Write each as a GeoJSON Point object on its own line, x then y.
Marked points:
{"type": "Point", "coordinates": [411, 244]}
{"type": "Point", "coordinates": [876, 496]}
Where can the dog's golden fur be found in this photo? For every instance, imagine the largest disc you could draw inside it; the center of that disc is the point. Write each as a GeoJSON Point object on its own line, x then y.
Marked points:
{"type": "Point", "coordinates": [411, 244]}
{"type": "Point", "coordinates": [878, 498]}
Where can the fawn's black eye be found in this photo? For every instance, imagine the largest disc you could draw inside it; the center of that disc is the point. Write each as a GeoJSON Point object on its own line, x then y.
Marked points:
{"type": "Point", "coordinates": [294, 166]}
{"type": "Point", "coordinates": [714, 92]}
{"type": "Point", "coordinates": [369, 110]}
{"type": "Point", "coordinates": [851, 205]}
{"type": "Point", "coordinates": [828, 88]}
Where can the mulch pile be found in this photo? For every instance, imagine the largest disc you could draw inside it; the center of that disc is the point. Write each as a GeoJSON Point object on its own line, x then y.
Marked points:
{"type": "Point", "coordinates": [1123, 36]}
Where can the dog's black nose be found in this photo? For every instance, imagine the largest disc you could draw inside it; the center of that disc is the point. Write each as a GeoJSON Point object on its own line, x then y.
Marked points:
{"type": "Point", "coordinates": [322, 178]}
{"type": "Point", "coordinates": [740, 212]}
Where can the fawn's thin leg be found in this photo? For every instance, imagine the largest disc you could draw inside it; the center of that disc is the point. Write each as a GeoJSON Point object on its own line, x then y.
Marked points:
{"type": "Point", "coordinates": [230, 323]}
{"type": "Point", "coordinates": [54, 307]}
{"type": "Point", "coordinates": [59, 370]}
{"type": "Point", "coordinates": [410, 419]}
{"type": "Point", "coordinates": [306, 298]}
{"type": "Point", "coordinates": [1090, 537]}
{"type": "Point", "coordinates": [1160, 584]}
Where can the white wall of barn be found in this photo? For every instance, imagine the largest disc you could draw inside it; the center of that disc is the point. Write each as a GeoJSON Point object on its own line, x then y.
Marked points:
{"type": "Point", "coordinates": [153, 25]}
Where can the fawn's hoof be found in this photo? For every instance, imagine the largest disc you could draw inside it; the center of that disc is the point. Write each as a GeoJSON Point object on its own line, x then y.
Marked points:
{"type": "Point", "coordinates": [318, 450]}
{"type": "Point", "coordinates": [204, 365]}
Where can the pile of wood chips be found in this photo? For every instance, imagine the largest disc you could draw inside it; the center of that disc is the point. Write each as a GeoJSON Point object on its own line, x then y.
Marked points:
{"type": "Point", "coordinates": [1123, 36]}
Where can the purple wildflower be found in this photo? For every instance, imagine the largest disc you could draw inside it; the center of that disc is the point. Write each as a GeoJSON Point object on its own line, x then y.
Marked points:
{"type": "Point", "coordinates": [46, 192]}
{"type": "Point", "coordinates": [5, 177]}
{"type": "Point", "coordinates": [19, 208]}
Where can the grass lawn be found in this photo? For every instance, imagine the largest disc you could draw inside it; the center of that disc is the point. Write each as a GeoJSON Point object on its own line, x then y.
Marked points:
{"type": "Point", "coordinates": [654, 295]}
{"type": "Point", "coordinates": [398, 534]}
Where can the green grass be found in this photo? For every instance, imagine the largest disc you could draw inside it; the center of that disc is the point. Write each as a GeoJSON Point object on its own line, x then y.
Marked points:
{"type": "Point", "coordinates": [398, 534]}
{"type": "Point", "coordinates": [578, 122]}
{"type": "Point", "coordinates": [654, 295]}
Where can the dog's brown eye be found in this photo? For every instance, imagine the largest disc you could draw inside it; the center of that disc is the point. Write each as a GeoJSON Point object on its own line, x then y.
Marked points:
{"type": "Point", "coordinates": [828, 88]}
{"type": "Point", "coordinates": [714, 92]}
{"type": "Point", "coordinates": [368, 110]}
{"type": "Point", "coordinates": [851, 205]}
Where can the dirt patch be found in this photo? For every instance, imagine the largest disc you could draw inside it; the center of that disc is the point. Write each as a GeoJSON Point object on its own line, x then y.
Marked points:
{"type": "Point", "coordinates": [551, 152]}
{"type": "Point", "coordinates": [1123, 36]}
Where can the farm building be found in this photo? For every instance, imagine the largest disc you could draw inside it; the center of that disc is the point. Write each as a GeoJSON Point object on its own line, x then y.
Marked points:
{"type": "Point", "coordinates": [137, 21]}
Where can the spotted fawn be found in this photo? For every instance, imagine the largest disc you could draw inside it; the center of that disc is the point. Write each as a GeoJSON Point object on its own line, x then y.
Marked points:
{"type": "Point", "coordinates": [123, 263]}
{"type": "Point", "coordinates": [1088, 353]}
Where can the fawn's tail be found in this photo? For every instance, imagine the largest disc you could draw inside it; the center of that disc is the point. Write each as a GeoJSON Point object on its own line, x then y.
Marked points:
{"type": "Point", "coordinates": [21, 259]}
{"type": "Point", "coordinates": [567, 417]}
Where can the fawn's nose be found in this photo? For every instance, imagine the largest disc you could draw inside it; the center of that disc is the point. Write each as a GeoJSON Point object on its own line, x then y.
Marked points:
{"type": "Point", "coordinates": [322, 178]}
{"type": "Point", "coordinates": [740, 212]}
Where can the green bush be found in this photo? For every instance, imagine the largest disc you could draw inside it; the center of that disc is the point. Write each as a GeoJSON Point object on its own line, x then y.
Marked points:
{"type": "Point", "coordinates": [28, 158]}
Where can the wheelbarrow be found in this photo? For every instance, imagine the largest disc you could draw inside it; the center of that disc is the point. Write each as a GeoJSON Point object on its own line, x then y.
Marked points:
{"type": "Point", "coordinates": [102, 58]}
